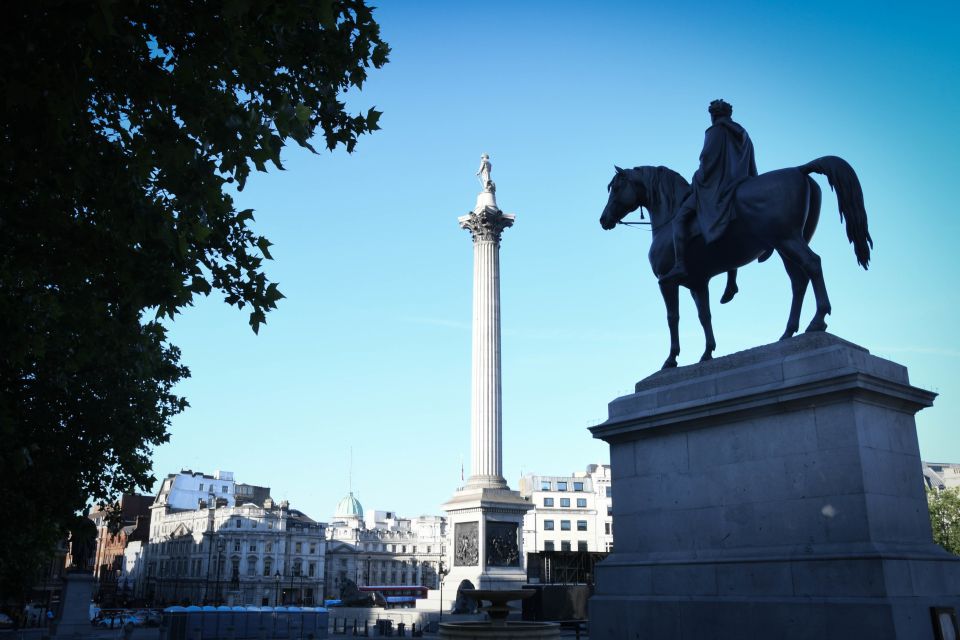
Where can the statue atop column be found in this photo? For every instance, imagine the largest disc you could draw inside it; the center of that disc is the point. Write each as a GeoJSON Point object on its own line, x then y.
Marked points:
{"type": "Point", "coordinates": [483, 173]}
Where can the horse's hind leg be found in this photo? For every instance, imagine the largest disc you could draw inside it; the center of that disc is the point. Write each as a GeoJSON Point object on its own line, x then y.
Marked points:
{"type": "Point", "coordinates": [798, 283]}
{"type": "Point", "coordinates": [671, 298]}
{"type": "Point", "coordinates": [701, 297]}
{"type": "Point", "coordinates": [797, 251]}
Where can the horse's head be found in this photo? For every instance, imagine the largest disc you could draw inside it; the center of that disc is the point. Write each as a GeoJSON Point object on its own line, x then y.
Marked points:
{"type": "Point", "coordinates": [625, 196]}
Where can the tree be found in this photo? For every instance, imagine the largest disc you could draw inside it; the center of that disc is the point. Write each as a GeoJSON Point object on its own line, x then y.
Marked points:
{"type": "Point", "coordinates": [945, 517]}
{"type": "Point", "coordinates": [124, 124]}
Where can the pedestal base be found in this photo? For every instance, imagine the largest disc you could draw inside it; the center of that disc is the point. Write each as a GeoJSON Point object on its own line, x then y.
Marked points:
{"type": "Point", "coordinates": [74, 618]}
{"type": "Point", "coordinates": [487, 527]}
{"type": "Point", "coordinates": [777, 492]}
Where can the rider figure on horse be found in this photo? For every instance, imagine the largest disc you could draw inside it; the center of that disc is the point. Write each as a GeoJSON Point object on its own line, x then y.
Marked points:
{"type": "Point", "coordinates": [725, 162]}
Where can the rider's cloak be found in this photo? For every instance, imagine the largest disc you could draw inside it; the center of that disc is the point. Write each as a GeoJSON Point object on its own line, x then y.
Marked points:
{"type": "Point", "coordinates": [725, 162]}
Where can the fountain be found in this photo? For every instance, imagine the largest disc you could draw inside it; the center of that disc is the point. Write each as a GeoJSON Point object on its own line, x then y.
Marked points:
{"type": "Point", "coordinates": [498, 628]}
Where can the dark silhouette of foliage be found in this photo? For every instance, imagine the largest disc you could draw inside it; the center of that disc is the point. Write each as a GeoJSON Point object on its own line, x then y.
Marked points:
{"type": "Point", "coordinates": [124, 124]}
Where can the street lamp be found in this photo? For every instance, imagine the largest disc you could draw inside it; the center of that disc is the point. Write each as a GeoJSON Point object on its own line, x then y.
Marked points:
{"type": "Point", "coordinates": [221, 545]}
{"type": "Point", "coordinates": [442, 572]}
{"type": "Point", "coordinates": [276, 595]}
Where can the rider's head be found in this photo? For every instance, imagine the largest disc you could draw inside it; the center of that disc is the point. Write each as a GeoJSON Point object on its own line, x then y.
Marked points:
{"type": "Point", "coordinates": [720, 109]}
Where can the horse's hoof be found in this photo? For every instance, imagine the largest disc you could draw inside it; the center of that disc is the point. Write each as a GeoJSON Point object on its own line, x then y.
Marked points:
{"type": "Point", "coordinates": [669, 364]}
{"type": "Point", "coordinates": [728, 294]}
{"type": "Point", "coordinates": [816, 326]}
{"type": "Point", "coordinates": [705, 357]}
{"type": "Point", "coordinates": [786, 336]}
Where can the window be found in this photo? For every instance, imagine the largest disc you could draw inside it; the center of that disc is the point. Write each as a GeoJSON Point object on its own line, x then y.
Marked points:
{"type": "Point", "coordinates": [253, 523]}
{"type": "Point", "coordinates": [606, 528]}
{"type": "Point", "coordinates": [225, 489]}
{"type": "Point", "coordinates": [201, 486]}
{"type": "Point", "coordinates": [581, 545]}
{"type": "Point", "coordinates": [297, 567]}
{"type": "Point", "coordinates": [564, 525]}
{"type": "Point", "coordinates": [251, 566]}
{"type": "Point", "coordinates": [548, 525]}
{"type": "Point", "coordinates": [312, 569]}
{"type": "Point", "coordinates": [545, 485]}
{"type": "Point", "coordinates": [298, 548]}
{"type": "Point", "coordinates": [548, 502]}
{"type": "Point", "coordinates": [581, 503]}
{"type": "Point", "coordinates": [565, 546]}
{"type": "Point", "coordinates": [238, 523]}
{"type": "Point", "coordinates": [609, 492]}
{"type": "Point", "coordinates": [313, 549]}
{"type": "Point", "coordinates": [561, 485]}
{"type": "Point", "coordinates": [414, 550]}
{"type": "Point", "coordinates": [609, 510]}
{"type": "Point", "coordinates": [548, 545]}
{"type": "Point", "coordinates": [253, 547]}
{"type": "Point", "coordinates": [428, 549]}
{"type": "Point", "coordinates": [235, 567]}
{"type": "Point", "coordinates": [236, 545]}
{"type": "Point", "coordinates": [564, 502]}
{"type": "Point", "coordinates": [581, 525]}
{"type": "Point", "coordinates": [269, 548]}
{"type": "Point", "coordinates": [578, 486]}
{"type": "Point", "coordinates": [267, 566]}
{"type": "Point", "coordinates": [403, 549]}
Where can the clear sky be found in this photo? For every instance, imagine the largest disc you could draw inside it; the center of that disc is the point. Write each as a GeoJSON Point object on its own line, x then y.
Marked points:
{"type": "Point", "coordinates": [371, 348]}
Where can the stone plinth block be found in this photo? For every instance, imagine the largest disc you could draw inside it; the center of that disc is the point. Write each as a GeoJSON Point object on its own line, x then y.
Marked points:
{"type": "Point", "coordinates": [775, 492]}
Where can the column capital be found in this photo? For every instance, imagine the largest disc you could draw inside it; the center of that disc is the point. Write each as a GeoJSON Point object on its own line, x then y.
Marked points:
{"type": "Point", "coordinates": [486, 224]}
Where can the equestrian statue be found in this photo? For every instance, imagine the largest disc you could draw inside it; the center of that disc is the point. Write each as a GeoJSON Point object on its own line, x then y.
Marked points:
{"type": "Point", "coordinates": [731, 216]}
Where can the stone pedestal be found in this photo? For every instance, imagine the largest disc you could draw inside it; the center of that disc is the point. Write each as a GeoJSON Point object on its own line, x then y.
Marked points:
{"type": "Point", "coordinates": [74, 618]}
{"type": "Point", "coordinates": [486, 527]}
{"type": "Point", "coordinates": [776, 492]}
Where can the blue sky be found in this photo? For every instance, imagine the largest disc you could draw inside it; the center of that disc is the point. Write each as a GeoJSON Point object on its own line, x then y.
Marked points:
{"type": "Point", "coordinates": [371, 348]}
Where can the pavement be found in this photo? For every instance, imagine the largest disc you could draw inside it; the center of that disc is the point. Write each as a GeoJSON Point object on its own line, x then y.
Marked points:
{"type": "Point", "coordinates": [148, 633]}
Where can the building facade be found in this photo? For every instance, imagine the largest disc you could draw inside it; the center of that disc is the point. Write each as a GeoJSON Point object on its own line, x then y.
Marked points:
{"type": "Point", "coordinates": [941, 475]}
{"type": "Point", "coordinates": [570, 513]}
{"type": "Point", "coordinates": [380, 548]}
{"type": "Point", "coordinates": [213, 540]}
{"type": "Point", "coordinates": [118, 526]}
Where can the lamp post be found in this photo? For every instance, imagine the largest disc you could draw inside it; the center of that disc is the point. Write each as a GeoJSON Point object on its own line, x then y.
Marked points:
{"type": "Point", "coordinates": [221, 545]}
{"type": "Point", "coordinates": [276, 596]}
{"type": "Point", "coordinates": [442, 572]}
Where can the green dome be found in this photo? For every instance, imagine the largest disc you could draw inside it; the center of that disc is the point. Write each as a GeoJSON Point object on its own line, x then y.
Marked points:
{"type": "Point", "coordinates": [349, 507]}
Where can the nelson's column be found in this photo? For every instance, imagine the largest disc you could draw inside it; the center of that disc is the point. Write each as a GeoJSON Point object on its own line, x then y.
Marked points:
{"type": "Point", "coordinates": [486, 517]}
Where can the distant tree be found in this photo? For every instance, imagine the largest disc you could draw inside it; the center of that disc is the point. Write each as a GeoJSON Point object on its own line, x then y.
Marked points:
{"type": "Point", "coordinates": [123, 124]}
{"type": "Point", "coordinates": [945, 518]}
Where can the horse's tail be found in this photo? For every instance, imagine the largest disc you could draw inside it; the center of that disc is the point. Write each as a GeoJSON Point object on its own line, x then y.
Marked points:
{"type": "Point", "coordinates": [843, 179]}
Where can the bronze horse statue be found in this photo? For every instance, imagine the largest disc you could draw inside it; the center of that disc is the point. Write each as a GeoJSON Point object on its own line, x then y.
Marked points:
{"type": "Point", "coordinates": [775, 211]}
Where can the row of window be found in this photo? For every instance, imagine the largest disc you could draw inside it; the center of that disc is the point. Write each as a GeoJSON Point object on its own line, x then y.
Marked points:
{"type": "Point", "coordinates": [565, 502]}
{"type": "Point", "coordinates": [565, 525]}
{"type": "Point", "coordinates": [549, 545]}
{"type": "Point", "coordinates": [225, 488]}
{"type": "Point", "coordinates": [547, 485]}
{"type": "Point", "coordinates": [373, 546]}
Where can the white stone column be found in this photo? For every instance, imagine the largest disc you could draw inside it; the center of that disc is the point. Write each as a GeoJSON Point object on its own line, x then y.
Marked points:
{"type": "Point", "coordinates": [486, 224]}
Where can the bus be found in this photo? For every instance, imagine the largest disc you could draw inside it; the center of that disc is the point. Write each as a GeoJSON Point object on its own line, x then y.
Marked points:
{"type": "Point", "coordinates": [396, 595]}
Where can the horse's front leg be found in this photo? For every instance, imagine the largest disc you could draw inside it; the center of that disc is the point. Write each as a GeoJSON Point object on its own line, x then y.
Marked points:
{"type": "Point", "coordinates": [671, 298]}
{"type": "Point", "coordinates": [701, 297]}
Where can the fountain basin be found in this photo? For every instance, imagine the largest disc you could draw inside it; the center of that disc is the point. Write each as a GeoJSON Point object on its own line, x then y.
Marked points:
{"type": "Point", "coordinates": [498, 627]}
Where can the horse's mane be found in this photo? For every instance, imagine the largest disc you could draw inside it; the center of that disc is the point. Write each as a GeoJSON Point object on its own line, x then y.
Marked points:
{"type": "Point", "coordinates": [666, 186]}
{"type": "Point", "coordinates": [666, 181]}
